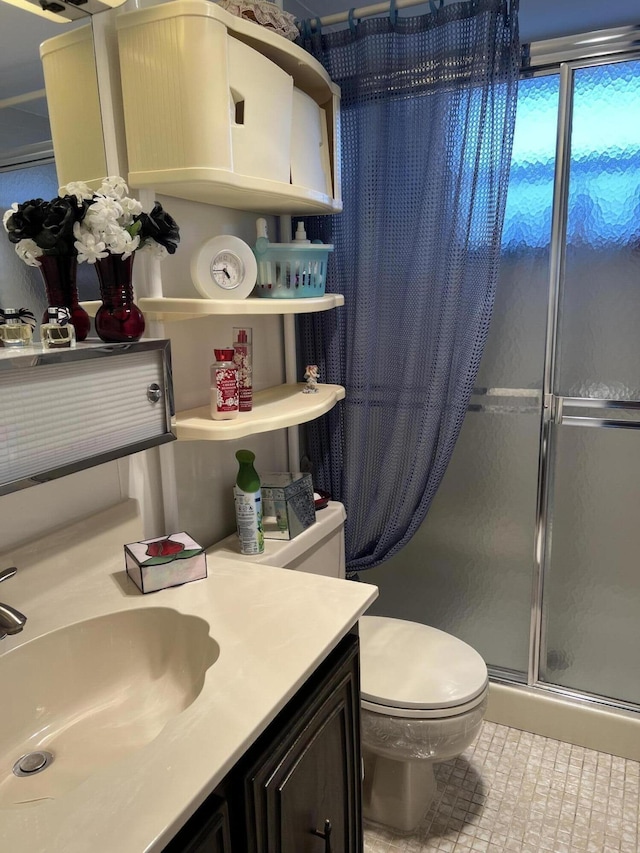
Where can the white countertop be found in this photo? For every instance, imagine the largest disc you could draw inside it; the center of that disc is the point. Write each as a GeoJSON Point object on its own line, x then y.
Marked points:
{"type": "Point", "coordinates": [273, 627]}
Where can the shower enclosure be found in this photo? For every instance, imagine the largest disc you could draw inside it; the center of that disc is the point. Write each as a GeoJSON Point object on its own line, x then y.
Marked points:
{"type": "Point", "coordinates": [531, 549]}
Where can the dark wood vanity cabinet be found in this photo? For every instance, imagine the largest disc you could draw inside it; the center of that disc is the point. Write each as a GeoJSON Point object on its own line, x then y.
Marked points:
{"type": "Point", "coordinates": [297, 790]}
{"type": "Point", "coordinates": [208, 831]}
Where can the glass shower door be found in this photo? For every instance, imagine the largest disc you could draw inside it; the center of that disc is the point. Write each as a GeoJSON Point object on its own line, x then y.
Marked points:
{"type": "Point", "coordinates": [591, 600]}
{"type": "Point", "coordinates": [468, 569]}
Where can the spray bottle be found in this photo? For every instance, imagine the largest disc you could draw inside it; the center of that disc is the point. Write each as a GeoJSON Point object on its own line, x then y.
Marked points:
{"type": "Point", "coordinates": [248, 501]}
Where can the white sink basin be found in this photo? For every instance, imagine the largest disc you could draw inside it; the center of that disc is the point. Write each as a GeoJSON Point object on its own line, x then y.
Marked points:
{"type": "Point", "coordinates": [95, 691]}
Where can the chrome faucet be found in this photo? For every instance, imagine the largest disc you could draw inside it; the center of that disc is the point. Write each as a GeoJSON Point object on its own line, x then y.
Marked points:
{"type": "Point", "coordinates": [11, 620]}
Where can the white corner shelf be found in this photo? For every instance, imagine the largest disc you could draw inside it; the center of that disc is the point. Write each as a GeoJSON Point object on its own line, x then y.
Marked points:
{"type": "Point", "coordinates": [240, 192]}
{"type": "Point", "coordinates": [274, 408]}
{"type": "Point", "coordinates": [167, 309]}
{"type": "Point", "coordinates": [91, 307]}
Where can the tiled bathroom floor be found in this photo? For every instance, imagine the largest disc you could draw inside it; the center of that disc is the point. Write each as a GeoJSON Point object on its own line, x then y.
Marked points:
{"type": "Point", "coordinates": [515, 791]}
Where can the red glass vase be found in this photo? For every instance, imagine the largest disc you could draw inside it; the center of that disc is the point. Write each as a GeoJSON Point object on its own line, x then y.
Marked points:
{"type": "Point", "coordinates": [59, 276]}
{"type": "Point", "coordinates": [119, 320]}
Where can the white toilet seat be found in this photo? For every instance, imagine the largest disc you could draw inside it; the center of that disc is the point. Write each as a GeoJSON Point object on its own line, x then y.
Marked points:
{"type": "Point", "coordinates": [425, 713]}
{"type": "Point", "coordinates": [416, 671]}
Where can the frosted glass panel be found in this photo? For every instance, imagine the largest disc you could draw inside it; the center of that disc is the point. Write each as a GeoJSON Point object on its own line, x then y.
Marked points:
{"type": "Point", "coordinates": [591, 592]}
{"type": "Point", "coordinates": [468, 570]}
{"type": "Point", "coordinates": [599, 351]}
{"type": "Point", "coordinates": [514, 353]}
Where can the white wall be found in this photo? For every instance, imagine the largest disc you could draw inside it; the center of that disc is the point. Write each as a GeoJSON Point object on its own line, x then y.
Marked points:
{"type": "Point", "coordinates": [205, 470]}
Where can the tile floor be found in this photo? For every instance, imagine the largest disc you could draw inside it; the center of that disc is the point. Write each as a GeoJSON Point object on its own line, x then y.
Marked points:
{"type": "Point", "coordinates": [515, 791]}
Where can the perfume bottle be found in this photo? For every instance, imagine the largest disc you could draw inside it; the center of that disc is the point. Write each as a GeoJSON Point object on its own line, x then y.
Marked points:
{"type": "Point", "coordinates": [13, 332]}
{"type": "Point", "coordinates": [58, 332]}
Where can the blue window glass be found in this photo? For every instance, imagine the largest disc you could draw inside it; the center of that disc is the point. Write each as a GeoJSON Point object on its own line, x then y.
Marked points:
{"type": "Point", "coordinates": [604, 188]}
{"type": "Point", "coordinates": [530, 198]}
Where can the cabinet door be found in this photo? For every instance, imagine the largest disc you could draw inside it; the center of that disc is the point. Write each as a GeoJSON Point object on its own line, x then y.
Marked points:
{"type": "Point", "coordinates": [310, 773]}
{"type": "Point", "coordinates": [206, 832]}
{"type": "Point", "coordinates": [66, 410]}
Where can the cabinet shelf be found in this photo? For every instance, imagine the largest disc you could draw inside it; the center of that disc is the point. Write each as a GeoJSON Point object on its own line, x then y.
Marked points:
{"type": "Point", "coordinates": [240, 192]}
{"type": "Point", "coordinates": [274, 408]}
{"type": "Point", "coordinates": [168, 309]}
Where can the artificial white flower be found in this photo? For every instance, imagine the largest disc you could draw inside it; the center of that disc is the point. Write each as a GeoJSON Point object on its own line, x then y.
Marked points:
{"type": "Point", "coordinates": [77, 188]}
{"type": "Point", "coordinates": [9, 213]}
{"type": "Point", "coordinates": [123, 244]}
{"type": "Point", "coordinates": [131, 207]}
{"type": "Point", "coordinates": [29, 252]}
{"type": "Point", "coordinates": [114, 186]}
{"type": "Point", "coordinates": [104, 208]}
{"type": "Point", "coordinates": [88, 247]}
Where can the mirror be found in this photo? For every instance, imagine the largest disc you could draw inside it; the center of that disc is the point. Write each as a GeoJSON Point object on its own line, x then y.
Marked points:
{"type": "Point", "coordinates": [27, 168]}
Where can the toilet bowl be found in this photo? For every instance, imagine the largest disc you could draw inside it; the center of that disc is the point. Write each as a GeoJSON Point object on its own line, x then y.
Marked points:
{"type": "Point", "coordinates": [424, 692]}
{"type": "Point", "coordinates": [424, 695]}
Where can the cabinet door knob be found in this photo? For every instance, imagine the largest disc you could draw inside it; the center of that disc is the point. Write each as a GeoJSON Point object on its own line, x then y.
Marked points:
{"type": "Point", "coordinates": [326, 834]}
{"type": "Point", "coordinates": [154, 392]}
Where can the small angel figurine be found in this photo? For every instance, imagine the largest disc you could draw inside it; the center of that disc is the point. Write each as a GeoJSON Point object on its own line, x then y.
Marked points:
{"type": "Point", "coordinates": [311, 374]}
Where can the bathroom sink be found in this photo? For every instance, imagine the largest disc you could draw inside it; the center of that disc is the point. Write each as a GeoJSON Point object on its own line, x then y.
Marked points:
{"type": "Point", "coordinates": [93, 692]}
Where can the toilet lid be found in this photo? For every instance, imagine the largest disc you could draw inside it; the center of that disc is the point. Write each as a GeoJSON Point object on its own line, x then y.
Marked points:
{"type": "Point", "coordinates": [412, 666]}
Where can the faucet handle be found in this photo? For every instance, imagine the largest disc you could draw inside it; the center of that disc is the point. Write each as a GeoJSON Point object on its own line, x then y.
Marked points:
{"type": "Point", "coordinates": [5, 574]}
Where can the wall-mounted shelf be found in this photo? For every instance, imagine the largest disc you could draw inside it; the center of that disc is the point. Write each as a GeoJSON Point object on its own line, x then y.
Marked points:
{"type": "Point", "coordinates": [168, 309]}
{"type": "Point", "coordinates": [91, 307]}
{"type": "Point", "coordinates": [240, 192]}
{"type": "Point", "coordinates": [274, 408]}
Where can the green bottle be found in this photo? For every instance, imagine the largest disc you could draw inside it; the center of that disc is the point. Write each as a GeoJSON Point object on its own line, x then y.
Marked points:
{"type": "Point", "coordinates": [248, 501]}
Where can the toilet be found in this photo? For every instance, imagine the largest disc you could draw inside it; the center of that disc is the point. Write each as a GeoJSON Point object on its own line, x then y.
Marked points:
{"type": "Point", "coordinates": [424, 692]}
{"type": "Point", "coordinates": [424, 695]}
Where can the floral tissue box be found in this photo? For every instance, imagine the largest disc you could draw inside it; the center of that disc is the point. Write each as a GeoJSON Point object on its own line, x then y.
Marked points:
{"type": "Point", "coordinates": [167, 561]}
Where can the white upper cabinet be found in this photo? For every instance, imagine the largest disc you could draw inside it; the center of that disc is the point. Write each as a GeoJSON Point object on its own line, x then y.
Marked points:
{"type": "Point", "coordinates": [221, 110]}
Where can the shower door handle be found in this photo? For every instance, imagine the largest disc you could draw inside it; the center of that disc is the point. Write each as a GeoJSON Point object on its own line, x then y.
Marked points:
{"type": "Point", "coordinates": [561, 408]}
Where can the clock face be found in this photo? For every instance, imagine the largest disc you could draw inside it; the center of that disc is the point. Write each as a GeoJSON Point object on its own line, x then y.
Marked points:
{"type": "Point", "coordinates": [224, 267]}
{"type": "Point", "coordinates": [227, 270]}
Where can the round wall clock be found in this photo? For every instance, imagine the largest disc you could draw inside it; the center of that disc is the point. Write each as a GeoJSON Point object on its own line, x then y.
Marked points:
{"type": "Point", "coordinates": [224, 268]}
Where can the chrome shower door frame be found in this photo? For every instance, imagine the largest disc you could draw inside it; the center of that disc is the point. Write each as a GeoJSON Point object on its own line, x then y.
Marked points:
{"type": "Point", "coordinates": [556, 409]}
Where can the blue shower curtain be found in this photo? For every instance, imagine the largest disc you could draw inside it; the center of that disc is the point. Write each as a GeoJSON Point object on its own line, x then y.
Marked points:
{"type": "Point", "coordinates": [428, 112]}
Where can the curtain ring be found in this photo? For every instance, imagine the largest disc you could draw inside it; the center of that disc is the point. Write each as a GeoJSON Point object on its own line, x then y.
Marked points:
{"type": "Point", "coordinates": [393, 13]}
{"type": "Point", "coordinates": [352, 23]}
{"type": "Point", "coordinates": [317, 26]}
{"type": "Point", "coordinates": [304, 28]}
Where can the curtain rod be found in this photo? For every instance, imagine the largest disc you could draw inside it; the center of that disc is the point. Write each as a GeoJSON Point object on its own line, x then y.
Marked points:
{"type": "Point", "coordinates": [364, 12]}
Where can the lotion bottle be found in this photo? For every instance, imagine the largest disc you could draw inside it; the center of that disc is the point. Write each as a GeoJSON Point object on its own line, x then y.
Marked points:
{"type": "Point", "coordinates": [248, 500]}
{"type": "Point", "coordinates": [224, 386]}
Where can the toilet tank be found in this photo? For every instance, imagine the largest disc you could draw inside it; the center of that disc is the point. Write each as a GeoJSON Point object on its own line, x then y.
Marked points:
{"type": "Point", "coordinates": [318, 550]}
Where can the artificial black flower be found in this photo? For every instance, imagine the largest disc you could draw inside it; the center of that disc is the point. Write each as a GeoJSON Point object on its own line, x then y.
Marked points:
{"type": "Point", "coordinates": [56, 236]}
{"type": "Point", "coordinates": [26, 222]}
{"type": "Point", "coordinates": [48, 223]}
{"type": "Point", "coordinates": [159, 226]}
